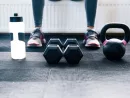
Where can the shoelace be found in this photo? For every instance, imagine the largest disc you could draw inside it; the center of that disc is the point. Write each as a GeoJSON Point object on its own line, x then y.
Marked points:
{"type": "Point", "coordinates": [35, 34]}
{"type": "Point", "coordinates": [91, 34]}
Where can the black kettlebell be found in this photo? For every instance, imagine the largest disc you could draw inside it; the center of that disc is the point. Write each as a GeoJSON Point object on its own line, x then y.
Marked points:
{"type": "Point", "coordinates": [114, 49]}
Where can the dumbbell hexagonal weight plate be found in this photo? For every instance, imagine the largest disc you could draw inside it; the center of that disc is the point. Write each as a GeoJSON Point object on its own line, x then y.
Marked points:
{"type": "Point", "coordinates": [53, 54]}
{"type": "Point", "coordinates": [70, 41]}
{"type": "Point", "coordinates": [73, 54]}
{"type": "Point", "coordinates": [55, 41]}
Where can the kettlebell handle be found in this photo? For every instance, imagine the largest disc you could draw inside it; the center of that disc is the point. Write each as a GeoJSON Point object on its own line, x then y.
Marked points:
{"type": "Point", "coordinates": [115, 25]}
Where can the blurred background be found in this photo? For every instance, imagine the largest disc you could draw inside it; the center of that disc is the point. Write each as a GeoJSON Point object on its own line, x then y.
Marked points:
{"type": "Point", "coordinates": [65, 16]}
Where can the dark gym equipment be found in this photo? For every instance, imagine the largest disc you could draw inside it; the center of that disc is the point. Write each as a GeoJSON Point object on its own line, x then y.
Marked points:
{"type": "Point", "coordinates": [53, 54]}
{"type": "Point", "coordinates": [55, 41]}
{"type": "Point", "coordinates": [72, 52]}
{"type": "Point", "coordinates": [70, 41]}
{"type": "Point", "coordinates": [114, 49]}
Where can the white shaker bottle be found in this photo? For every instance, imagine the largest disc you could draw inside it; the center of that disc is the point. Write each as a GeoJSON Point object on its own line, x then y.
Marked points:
{"type": "Point", "coordinates": [17, 33]}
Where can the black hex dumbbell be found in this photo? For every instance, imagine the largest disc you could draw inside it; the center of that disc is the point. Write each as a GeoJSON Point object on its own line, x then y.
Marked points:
{"type": "Point", "coordinates": [72, 52]}
{"type": "Point", "coordinates": [53, 52]}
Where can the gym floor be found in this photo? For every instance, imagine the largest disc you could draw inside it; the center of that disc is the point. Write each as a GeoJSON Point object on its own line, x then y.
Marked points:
{"type": "Point", "coordinates": [94, 77]}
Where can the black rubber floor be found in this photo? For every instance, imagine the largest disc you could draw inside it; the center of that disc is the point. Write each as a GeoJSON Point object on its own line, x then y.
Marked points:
{"type": "Point", "coordinates": [94, 77]}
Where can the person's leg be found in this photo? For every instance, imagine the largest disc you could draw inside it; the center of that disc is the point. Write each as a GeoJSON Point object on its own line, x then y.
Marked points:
{"type": "Point", "coordinates": [38, 6]}
{"type": "Point", "coordinates": [91, 35]}
{"type": "Point", "coordinates": [90, 7]}
{"type": "Point", "coordinates": [37, 38]}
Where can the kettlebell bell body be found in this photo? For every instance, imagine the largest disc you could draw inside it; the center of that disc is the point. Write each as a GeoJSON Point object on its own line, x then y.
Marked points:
{"type": "Point", "coordinates": [114, 49]}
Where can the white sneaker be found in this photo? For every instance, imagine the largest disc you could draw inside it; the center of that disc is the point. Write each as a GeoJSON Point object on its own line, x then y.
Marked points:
{"type": "Point", "coordinates": [91, 39]}
{"type": "Point", "coordinates": [36, 39]}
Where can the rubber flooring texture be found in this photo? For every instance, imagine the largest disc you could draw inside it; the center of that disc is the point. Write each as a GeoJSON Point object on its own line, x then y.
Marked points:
{"type": "Point", "coordinates": [94, 77]}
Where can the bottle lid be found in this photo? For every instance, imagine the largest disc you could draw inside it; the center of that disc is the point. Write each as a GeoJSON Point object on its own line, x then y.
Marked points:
{"type": "Point", "coordinates": [16, 18]}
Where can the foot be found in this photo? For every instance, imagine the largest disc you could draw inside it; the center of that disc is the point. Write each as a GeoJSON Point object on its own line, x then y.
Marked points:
{"type": "Point", "coordinates": [36, 39]}
{"type": "Point", "coordinates": [91, 39]}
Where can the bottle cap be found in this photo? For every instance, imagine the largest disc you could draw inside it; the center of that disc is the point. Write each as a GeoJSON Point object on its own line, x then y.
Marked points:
{"type": "Point", "coordinates": [16, 18]}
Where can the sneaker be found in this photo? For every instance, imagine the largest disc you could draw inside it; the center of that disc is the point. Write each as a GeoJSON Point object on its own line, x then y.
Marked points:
{"type": "Point", "coordinates": [36, 39]}
{"type": "Point", "coordinates": [91, 39]}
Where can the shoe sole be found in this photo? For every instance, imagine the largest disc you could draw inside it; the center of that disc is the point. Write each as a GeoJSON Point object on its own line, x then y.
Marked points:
{"type": "Point", "coordinates": [93, 45]}
{"type": "Point", "coordinates": [36, 45]}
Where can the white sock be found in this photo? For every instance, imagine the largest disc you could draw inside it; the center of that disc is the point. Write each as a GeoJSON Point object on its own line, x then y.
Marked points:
{"type": "Point", "coordinates": [90, 29]}
{"type": "Point", "coordinates": [38, 28]}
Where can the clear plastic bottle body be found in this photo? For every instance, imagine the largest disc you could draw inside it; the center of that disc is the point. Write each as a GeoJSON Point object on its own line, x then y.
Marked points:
{"type": "Point", "coordinates": [18, 48]}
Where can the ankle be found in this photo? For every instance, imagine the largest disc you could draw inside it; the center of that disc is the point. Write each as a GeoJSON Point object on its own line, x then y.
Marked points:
{"type": "Point", "coordinates": [38, 28]}
{"type": "Point", "coordinates": [90, 27]}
